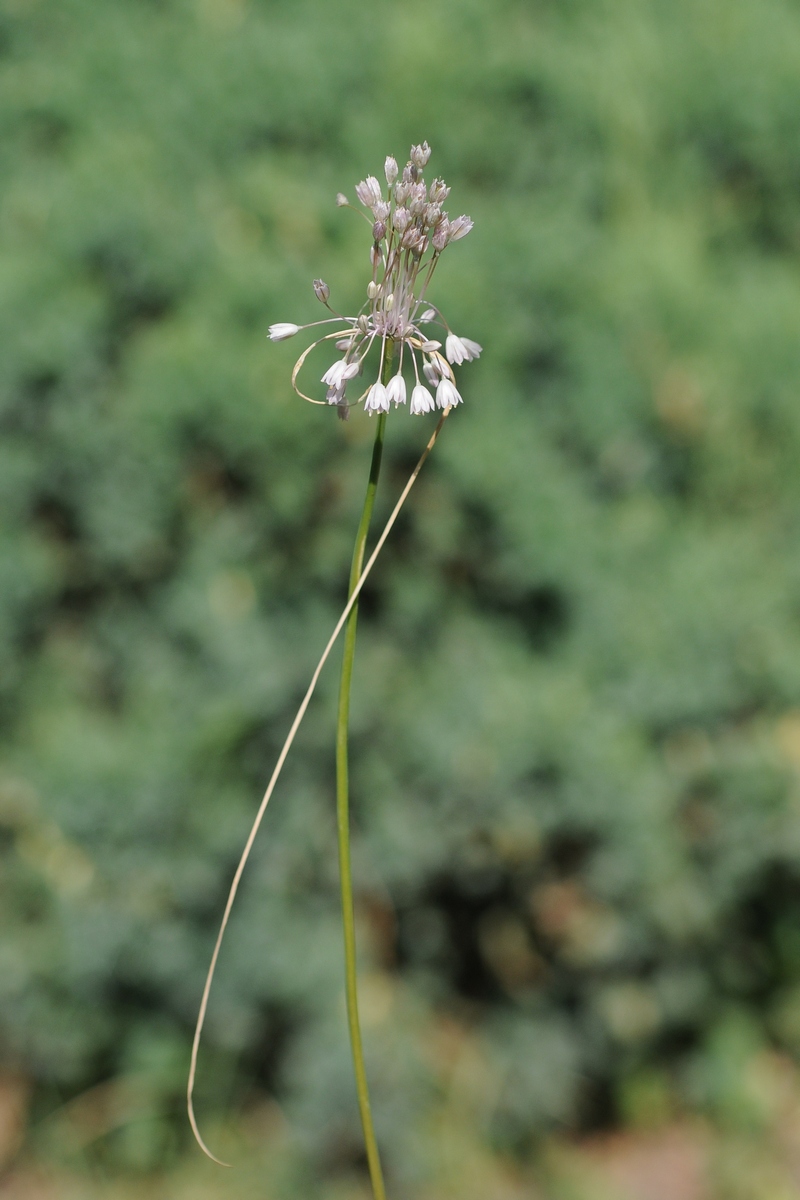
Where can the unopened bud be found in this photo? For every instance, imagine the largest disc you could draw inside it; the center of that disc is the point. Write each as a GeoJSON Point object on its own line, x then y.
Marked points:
{"type": "Point", "coordinates": [413, 238]}
{"type": "Point", "coordinates": [341, 200]}
{"type": "Point", "coordinates": [401, 219]}
{"type": "Point", "coordinates": [418, 199]}
{"type": "Point", "coordinates": [363, 323]}
{"type": "Point", "coordinates": [401, 192]}
{"type": "Point", "coordinates": [438, 191]}
{"type": "Point", "coordinates": [391, 169]}
{"type": "Point", "coordinates": [388, 303]}
{"type": "Point", "coordinates": [369, 191]}
{"type": "Point", "coordinates": [379, 231]}
{"type": "Point", "coordinates": [372, 289]}
{"type": "Point", "coordinates": [420, 155]}
{"type": "Point", "coordinates": [441, 234]}
{"type": "Point", "coordinates": [459, 228]}
{"type": "Point", "coordinates": [321, 291]}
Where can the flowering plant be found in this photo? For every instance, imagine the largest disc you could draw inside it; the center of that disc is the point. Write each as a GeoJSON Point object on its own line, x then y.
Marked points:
{"type": "Point", "coordinates": [410, 229]}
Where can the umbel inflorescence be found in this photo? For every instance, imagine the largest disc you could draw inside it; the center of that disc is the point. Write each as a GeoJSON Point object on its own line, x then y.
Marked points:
{"type": "Point", "coordinates": [410, 229]}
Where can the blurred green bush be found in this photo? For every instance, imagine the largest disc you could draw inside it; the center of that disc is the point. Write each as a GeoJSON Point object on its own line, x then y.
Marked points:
{"type": "Point", "coordinates": [576, 733]}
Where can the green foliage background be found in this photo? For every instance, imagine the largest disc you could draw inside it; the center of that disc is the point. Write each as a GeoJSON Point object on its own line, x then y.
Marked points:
{"type": "Point", "coordinates": [576, 727]}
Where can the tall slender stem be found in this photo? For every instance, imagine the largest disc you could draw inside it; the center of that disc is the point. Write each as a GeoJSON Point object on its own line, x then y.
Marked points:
{"type": "Point", "coordinates": [343, 806]}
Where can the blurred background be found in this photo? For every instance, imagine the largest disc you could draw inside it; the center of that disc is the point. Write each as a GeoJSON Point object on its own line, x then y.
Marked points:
{"type": "Point", "coordinates": [576, 721]}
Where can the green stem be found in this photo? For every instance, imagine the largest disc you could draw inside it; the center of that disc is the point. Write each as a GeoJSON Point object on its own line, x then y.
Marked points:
{"type": "Point", "coordinates": [343, 807]}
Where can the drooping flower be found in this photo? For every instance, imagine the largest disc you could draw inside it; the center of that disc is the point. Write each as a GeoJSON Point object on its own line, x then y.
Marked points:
{"type": "Point", "coordinates": [410, 231]}
{"type": "Point", "coordinates": [283, 330]}
{"type": "Point", "coordinates": [447, 395]}
{"type": "Point", "coordinates": [396, 389]}
{"type": "Point", "coordinates": [459, 350]}
{"type": "Point", "coordinates": [421, 400]}
{"type": "Point", "coordinates": [377, 399]}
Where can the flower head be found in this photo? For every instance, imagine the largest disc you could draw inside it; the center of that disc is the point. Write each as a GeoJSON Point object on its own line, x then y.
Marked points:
{"type": "Point", "coordinates": [410, 231]}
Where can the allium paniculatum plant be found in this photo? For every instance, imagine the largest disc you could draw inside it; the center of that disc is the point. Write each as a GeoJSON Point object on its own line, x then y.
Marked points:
{"type": "Point", "coordinates": [410, 230]}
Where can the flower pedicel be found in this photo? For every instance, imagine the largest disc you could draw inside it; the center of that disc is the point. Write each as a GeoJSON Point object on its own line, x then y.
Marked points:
{"type": "Point", "coordinates": [410, 230]}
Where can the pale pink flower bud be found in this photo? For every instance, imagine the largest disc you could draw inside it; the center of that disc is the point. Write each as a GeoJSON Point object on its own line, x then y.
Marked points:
{"type": "Point", "coordinates": [396, 389]}
{"type": "Point", "coordinates": [401, 219]}
{"type": "Point", "coordinates": [281, 331]}
{"type": "Point", "coordinates": [441, 234]}
{"type": "Point", "coordinates": [428, 315]}
{"type": "Point", "coordinates": [459, 228]}
{"type": "Point", "coordinates": [432, 214]}
{"type": "Point", "coordinates": [369, 191]}
{"type": "Point", "coordinates": [446, 395]}
{"type": "Point", "coordinates": [341, 200]}
{"type": "Point", "coordinates": [420, 155]}
{"type": "Point", "coordinates": [377, 399]}
{"type": "Point", "coordinates": [391, 169]}
{"type": "Point", "coordinates": [379, 231]}
{"type": "Point", "coordinates": [421, 400]}
{"type": "Point", "coordinates": [414, 240]}
{"type": "Point", "coordinates": [418, 199]}
{"type": "Point", "coordinates": [321, 290]}
{"type": "Point", "coordinates": [381, 211]}
{"type": "Point", "coordinates": [438, 191]}
{"type": "Point", "coordinates": [402, 191]}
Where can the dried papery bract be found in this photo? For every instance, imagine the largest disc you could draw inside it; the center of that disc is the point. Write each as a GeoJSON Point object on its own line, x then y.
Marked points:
{"type": "Point", "coordinates": [409, 231]}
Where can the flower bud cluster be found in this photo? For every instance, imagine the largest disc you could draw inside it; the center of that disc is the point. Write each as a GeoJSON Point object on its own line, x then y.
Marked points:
{"type": "Point", "coordinates": [410, 229]}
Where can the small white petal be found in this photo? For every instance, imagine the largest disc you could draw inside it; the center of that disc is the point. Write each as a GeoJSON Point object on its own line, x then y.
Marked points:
{"type": "Point", "coordinates": [396, 389]}
{"type": "Point", "coordinates": [428, 346]}
{"type": "Point", "coordinates": [473, 349]}
{"type": "Point", "coordinates": [333, 375]}
{"type": "Point", "coordinates": [282, 330]}
{"type": "Point", "coordinates": [455, 349]}
{"type": "Point", "coordinates": [377, 400]}
{"type": "Point", "coordinates": [446, 395]}
{"type": "Point", "coordinates": [338, 374]}
{"type": "Point", "coordinates": [421, 400]}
